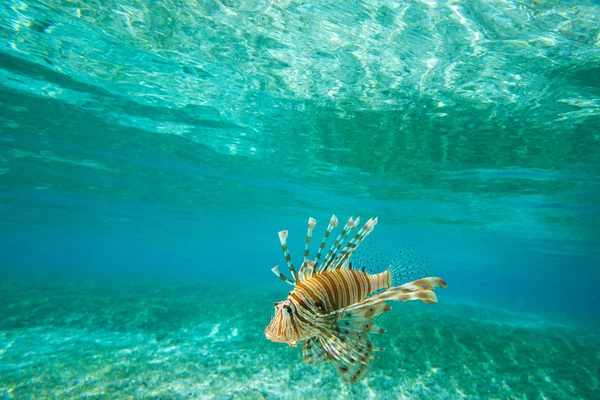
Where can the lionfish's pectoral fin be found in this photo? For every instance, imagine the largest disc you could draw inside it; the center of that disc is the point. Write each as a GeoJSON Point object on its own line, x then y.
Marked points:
{"type": "Point", "coordinates": [348, 345]}
{"type": "Point", "coordinates": [421, 289]}
{"type": "Point", "coordinates": [351, 372]}
{"type": "Point", "coordinates": [313, 351]}
{"type": "Point", "coordinates": [351, 352]}
{"type": "Point", "coordinates": [357, 317]}
{"type": "Point", "coordinates": [360, 313]}
{"type": "Point", "coordinates": [358, 324]}
{"type": "Point", "coordinates": [430, 283]}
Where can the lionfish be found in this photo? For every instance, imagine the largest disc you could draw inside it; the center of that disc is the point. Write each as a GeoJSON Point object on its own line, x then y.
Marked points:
{"type": "Point", "coordinates": [333, 302]}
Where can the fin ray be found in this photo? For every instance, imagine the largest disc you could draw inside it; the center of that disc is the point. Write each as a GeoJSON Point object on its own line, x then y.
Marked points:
{"type": "Point", "coordinates": [281, 276]}
{"type": "Point", "coordinates": [283, 240]}
{"type": "Point", "coordinates": [342, 258]}
{"type": "Point", "coordinates": [333, 250]}
{"type": "Point", "coordinates": [313, 351]}
{"type": "Point", "coordinates": [333, 223]}
{"type": "Point", "coordinates": [306, 270]}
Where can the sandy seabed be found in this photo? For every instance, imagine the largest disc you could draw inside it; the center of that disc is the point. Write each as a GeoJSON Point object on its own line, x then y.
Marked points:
{"type": "Point", "coordinates": [171, 341]}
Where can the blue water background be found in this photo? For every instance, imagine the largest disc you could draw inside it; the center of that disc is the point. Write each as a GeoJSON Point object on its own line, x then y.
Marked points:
{"type": "Point", "coordinates": [158, 141]}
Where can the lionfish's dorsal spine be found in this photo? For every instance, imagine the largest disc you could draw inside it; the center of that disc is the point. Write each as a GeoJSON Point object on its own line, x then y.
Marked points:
{"type": "Point", "coordinates": [333, 222]}
{"type": "Point", "coordinates": [335, 247]}
{"type": "Point", "coordinates": [306, 271]}
{"type": "Point", "coordinates": [281, 276]}
{"type": "Point", "coordinates": [307, 267]}
{"type": "Point", "coordinates": [341, 260]}
{"type": "Point", "coordinates": [335, 259]}
{"type": "Point", "coordinates": [342, 254]}
{"type": "Point", "coordinates": [283, 239]}
{"type": "Point", "coordinates": [311, 225]}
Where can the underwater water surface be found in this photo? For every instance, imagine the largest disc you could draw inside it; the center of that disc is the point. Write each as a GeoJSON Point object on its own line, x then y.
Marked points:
{"type": "Point", "coordinates": [150, 151]}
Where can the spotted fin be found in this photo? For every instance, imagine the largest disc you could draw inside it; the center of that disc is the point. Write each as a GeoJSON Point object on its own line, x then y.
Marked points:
{"type": "Point", "coordinates": [351, 372]}
{"type": "Point", "coordinates": [348, 345]}
{"type": "Point", "coordinates": [359, 325]}
{"type": "Point", "coordinates": [360, 311]}
{"type": "Point", "coordinates": [351, 352]}
{"type": "Point", "coordinates": [313, 352]}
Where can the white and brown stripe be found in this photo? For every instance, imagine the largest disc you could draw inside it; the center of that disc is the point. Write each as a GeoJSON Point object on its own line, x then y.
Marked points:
{"type": "Point", "coordinates": [331, 305]}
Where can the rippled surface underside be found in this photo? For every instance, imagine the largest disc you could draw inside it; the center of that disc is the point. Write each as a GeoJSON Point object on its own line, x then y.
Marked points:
{"type": "Point", "coordinates": [177, 136]}
{"type": "Point", "coordinates": [481, 113]}
{"type": "Point", "coordinates": [198, 341]}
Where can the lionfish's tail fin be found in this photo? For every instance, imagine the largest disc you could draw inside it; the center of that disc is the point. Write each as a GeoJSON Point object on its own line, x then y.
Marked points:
{"type": "Point", "coordinates": [283, 239]}
{"type": "Point", "coordinates": [281, 276]}
{"type": "Point", "coordinates": [313, 351]}
{"type": "Point", "coordinates": [409, 264]}
{"type": "Point", "coordinates": [333, 222]}
{"type": "Point", "coordinates": [341, 259]}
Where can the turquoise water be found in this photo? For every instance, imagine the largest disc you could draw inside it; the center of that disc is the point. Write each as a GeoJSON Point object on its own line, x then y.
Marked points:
{"type": "Point", "coordinates": [150, 151]}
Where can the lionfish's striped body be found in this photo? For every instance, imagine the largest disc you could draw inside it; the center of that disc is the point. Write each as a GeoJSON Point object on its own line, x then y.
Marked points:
{"type": "Point", "coordinates": [330, 308]}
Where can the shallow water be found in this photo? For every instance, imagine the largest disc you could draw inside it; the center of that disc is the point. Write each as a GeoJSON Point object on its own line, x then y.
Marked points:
{"type": "Point", "coordinates": [150, 151]}
{"type": "Point", "coordinates": [180, 340]}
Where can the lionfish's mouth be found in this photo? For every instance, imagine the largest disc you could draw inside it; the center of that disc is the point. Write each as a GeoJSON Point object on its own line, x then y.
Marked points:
{"type": "Point", "coordinates": [278, 339]}
{"type": "Point", "coordinates": [271, 335]}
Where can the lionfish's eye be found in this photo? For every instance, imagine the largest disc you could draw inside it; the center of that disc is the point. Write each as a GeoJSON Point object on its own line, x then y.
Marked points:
{"type": "Point", "coordinates": [289, 310]}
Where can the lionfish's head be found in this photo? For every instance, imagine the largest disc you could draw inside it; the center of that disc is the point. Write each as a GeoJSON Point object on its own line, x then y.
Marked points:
{"type": "Point", "coordinates": [281, 328]}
